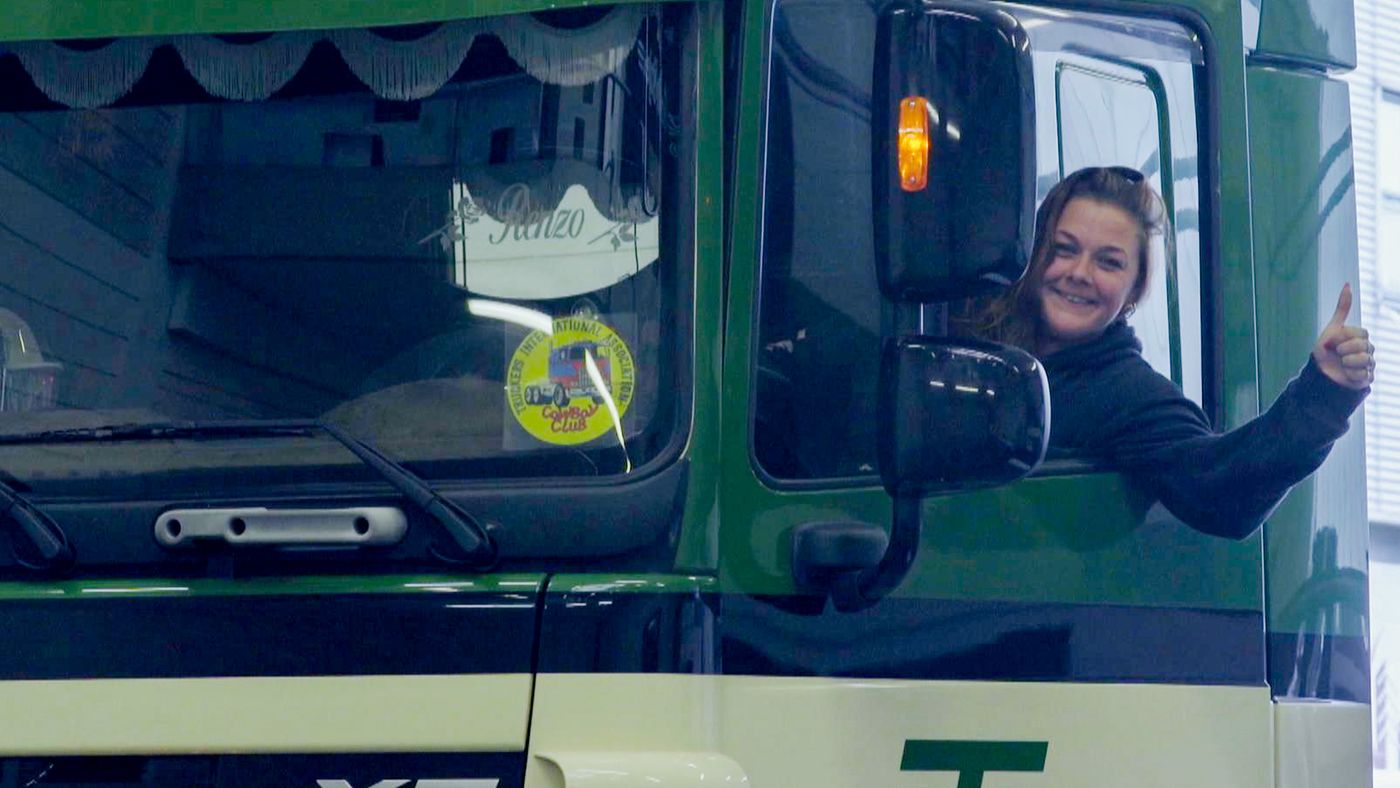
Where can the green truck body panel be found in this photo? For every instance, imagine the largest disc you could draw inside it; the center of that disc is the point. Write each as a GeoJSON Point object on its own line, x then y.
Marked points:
{"type": "Point", "coordinates": [1306, 242]}
{"type": "Point", "coordinates": [1319, 33]}
{"type": "Point", "coordinates": [1069, 539]}
{"type": "Point", "coordinates": [697, 549]}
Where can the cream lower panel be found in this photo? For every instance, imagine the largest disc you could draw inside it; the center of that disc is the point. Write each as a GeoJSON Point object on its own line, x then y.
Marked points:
{"type": "Point", "coordinates": [322, 714]}
{"type": "Point", "coordinates": [1323, 744]}
{"type": "Point", "coordinates": [826, 733]}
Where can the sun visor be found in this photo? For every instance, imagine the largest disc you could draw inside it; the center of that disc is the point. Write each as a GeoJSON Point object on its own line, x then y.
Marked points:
{"type": "Point", "coordinates": [96, 73]}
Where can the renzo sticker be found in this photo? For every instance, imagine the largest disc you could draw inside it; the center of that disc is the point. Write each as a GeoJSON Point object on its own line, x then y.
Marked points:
{"type": "Point", "coordinates": [572, 386]}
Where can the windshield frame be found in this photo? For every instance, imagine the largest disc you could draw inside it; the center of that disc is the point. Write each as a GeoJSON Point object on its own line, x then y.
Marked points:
{"type": "Point", "coordinates": [677, 377]}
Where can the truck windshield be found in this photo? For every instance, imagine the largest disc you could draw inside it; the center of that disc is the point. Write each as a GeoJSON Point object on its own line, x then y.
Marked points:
{"type": "Point", "coordinates": [460, 242]}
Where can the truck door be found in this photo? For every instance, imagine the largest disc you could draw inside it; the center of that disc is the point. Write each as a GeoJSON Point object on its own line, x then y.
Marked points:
{"type": "Point", "coordinates": [1063, 630]}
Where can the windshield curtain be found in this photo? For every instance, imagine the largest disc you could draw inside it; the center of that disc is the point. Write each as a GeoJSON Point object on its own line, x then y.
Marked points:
{"type": "Point", "coordinates": [458, 242]}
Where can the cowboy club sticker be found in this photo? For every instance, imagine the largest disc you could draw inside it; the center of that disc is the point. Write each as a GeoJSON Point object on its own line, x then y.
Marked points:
{"type": "Point", "coordinates": [572, 386]}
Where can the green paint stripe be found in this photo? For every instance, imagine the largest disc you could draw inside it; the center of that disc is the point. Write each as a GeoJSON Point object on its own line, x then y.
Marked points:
{"type": "Point", "coordinates": [67, 19]}
{"type": "Point", "coordinates": [632, 584]}
{"type": "Point", "coordinates": [270, 586]}
{"type": "Point", "coordinates": [974, 756]}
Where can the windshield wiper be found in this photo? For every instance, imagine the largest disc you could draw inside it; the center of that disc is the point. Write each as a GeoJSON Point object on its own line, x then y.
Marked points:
{"type": "Point", "coordinates": [166, 429]}
{"type": "Point", "coordinates": [468, 535]}
{"type": "Point", "coordinates": [50, 546]}
{"type": "Point", "coordinates": [471, 542]}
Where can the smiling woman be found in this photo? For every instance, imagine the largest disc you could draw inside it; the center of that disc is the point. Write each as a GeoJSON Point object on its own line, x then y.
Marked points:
{"type": "Point", "coordinates": [1091, 264]}
{"type": "Point", "coordinates": [1096, 273]}
{"type": "Point", "coordinates": [1089, 268]}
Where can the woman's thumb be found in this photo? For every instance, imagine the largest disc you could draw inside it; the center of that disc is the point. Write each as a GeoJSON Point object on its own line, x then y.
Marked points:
{"type": "Point", "coordinates": [1339, 317]}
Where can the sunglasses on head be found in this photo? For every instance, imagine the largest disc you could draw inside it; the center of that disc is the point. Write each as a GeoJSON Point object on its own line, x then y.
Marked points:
{"type": "Point", "coordinates": [1126, 173]}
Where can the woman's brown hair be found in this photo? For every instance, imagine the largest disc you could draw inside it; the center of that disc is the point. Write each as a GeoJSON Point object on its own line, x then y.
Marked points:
{"type": "Point", "coordinates": [1013, 316]}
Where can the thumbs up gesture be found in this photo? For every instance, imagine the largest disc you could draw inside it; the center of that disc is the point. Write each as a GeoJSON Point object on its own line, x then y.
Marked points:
{"type": "Point", "coordinates": [1344, 353]}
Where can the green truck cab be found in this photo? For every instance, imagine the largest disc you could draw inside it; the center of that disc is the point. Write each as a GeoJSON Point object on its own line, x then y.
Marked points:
{"type": "Point", "coordinates": [287, 504]}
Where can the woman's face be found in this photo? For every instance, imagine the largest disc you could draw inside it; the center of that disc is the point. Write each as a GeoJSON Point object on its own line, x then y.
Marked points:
{"type": "Point", "coordinates": [1091, 275]}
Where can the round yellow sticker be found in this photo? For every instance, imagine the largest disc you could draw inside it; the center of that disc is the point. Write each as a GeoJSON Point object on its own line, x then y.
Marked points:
{"type": "Point", "coordinates": [571, 387]}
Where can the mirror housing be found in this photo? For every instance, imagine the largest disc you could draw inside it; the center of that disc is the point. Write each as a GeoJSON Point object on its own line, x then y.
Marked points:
{"type": "Point", "coordinates": [823, 554]}
{"type": "Point", "coordinates": [969, 230]}
{"type": "Point", "coordinates": [959, 416]}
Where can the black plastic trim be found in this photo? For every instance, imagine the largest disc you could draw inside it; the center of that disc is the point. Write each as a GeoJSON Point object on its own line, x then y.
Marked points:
{"type": "Point", "coordinates": [632, 526]}
{"type": "Point", "coordinates": [1319, 667]}
{"type": "Point", "coordinates": [118, 637]}
{"type": "Point", "coordinates": [970, 640]}
{"type": "Point", "coordinates": [605, 632]}
{"type": "Point", "coordinates": [243, 770]}
{"type": "Point", "coordinates": [899, 638]}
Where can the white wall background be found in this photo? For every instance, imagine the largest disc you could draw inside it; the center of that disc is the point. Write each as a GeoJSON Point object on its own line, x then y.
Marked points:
{"type": "Point", "coordinates": [1375, 109]}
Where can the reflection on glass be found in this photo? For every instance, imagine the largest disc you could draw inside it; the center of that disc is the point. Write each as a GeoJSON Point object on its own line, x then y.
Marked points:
{"type": "Point", "coordinates": [28, 381]}
{"type": "Point", "coordinates": [525, 317]}
{"type": "Point", "coordinates": [604, 391]}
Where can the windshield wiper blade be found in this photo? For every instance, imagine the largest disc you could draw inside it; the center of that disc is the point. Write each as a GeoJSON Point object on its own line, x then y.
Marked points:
{"type": "Point", "coordinates": [470, 539]}
{"type": "Point", "coordinates": [166, 429]}
{"type": "Point", "coordinates": [52, 550]}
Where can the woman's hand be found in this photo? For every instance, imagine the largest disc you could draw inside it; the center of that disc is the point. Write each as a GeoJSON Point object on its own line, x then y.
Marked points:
{"type": "Point", "coordinates": [1344, 353]}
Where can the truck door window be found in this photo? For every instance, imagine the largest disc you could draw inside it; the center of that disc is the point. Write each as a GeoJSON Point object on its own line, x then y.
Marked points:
{"type": "Point", "coordinates": [1109, 114]}
{"type": "Point", "coordinates": [819, 312]}
{"type": "Point", "coordinates": [1108, 90]}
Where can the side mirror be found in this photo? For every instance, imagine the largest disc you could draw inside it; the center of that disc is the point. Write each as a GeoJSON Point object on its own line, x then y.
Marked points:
{"type": "Point", "coordinates": [953, 417]}
{"type": "Point", "coordinates": [954, 152]}
{"type": "Point", "coordinates": [953, 181]}
{"type": "Point", "coordinates": [959, 416]}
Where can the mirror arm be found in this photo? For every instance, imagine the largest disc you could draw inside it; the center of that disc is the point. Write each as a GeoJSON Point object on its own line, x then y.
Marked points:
{"type": "Point", "coordinates": [853, 591]}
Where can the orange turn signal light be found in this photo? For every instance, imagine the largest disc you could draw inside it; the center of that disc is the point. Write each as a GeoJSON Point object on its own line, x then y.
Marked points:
{"type": "Point", "coordinates": [913, 143]}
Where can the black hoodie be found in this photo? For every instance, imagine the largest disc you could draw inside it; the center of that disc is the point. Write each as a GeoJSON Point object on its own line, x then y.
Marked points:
{"type": "Point", "coordinates": [1107, 402]}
